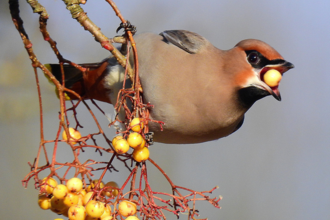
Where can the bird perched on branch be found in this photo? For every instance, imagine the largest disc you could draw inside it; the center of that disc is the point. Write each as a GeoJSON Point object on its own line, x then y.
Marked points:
{"type": "Point", "coordinates": [200, 92]}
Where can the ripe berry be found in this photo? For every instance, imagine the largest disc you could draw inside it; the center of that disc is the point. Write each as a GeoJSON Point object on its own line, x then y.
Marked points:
{"type": "Point", "coordinates": [74, 135]}
{"type": "Point", "coordinates": [121, 146]}
{"type": "Point", "coordinates": [60, 191]}
{"type": "Point", "coordinates": [44, 202]}
{"type": "Point", "coordinates": [132, 218]}
{"type": "Point", "coordinates": [115, 139]}
{"type": "Point", "coordinates": [49, 185]}
{"type": "Point", "coordinates": [111, 191]}
{"type": "Point", "coordinates": [141, 154]}
{"type": "Point", "coordinates": [95, 209]}
{"type": "Point", "coordinates": [77, 212]}
{"type": "Point", "coordinates": [134, 139]}
{"type": "Point", "coordinates": [126, 208]}
{"type": "Point", "coordinates": [74, 184]}
{"type": "Point", "coordinates": [71, 199]}
{"type": "Point", "coordinates": [136, 124]}
{"type": "Point", "coordinates": [272, 77]}
{"type": "Point", "coordinates": [93, 185]}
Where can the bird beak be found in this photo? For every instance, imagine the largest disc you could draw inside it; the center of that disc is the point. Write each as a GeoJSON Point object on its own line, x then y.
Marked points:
{"type": "Point", "coordinates": [282, 67]}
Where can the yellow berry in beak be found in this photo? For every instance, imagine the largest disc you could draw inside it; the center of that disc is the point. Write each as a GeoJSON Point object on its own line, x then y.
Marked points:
{"type": "Point", "coordinates": [272, 78]}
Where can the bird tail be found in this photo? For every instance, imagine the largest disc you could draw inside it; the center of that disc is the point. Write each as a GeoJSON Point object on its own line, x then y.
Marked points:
{"type": "Point", "coordinates": [100, 81]}
{"type": "Point", "coordinates": [73, 79]}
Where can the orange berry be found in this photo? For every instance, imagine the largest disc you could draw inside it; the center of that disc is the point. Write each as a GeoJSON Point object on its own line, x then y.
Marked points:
{"type": "Point", "coordinates": [80, 199]}
{"type": "Point", "coordinates": [91, 218]}
{"type": "Point", "coordinates": [77, 212]}
{"type": "Point", "coordinates": [74, 184]}
{"type": "Point", "coordinates": [93, 185]}
{"type": "Point", "coordinates": [121, 146]}
{"type": "Point", "coordinates": [65, 212]}
{"type": "Point", "coordinates": [60, 191]}
{"type": "Point", "coordinates": [272, 77]}
{"type": "Point", "coordinates": [141, 154]}
{"type": "Point", "coordinates": [142, 145]}
{"type": "Point", "coordinates": [49, 185]}
{"type": "Point", "coordinates": [132, 218]}
{"type": "Point", "coordinates": [87, 197]}
{"type": "Point", "coordinates": [71, 199]}
{"type": "Point", "coordinates": [134, 139]}
{"type": "Point", "coordinates": [106, 217]}
{"type": "Point", "coordinates": [57, 205]}
{"type": "Point", "coordinates": [44, 202]}
{"type": "Point", "coordinates": [74, 135]}
{"type": "Point", "coordinates": [136, 124]}
{"type": "Point", "coordinates": [115, 139]}
{"type": "Point", "coordinates": [95, 209]}
{"type": "Point", "coordinates": [110, 191]}
{"type": "Point", "coordinates": [83, 192]}
{"type": "Point", "coordinates": [107, 211]}
{"type": "Point", "coordinates": [126, 208]}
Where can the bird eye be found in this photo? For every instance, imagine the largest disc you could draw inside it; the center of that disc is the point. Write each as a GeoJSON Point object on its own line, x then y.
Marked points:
{"type": "Point", "coordinates": [253, 58]}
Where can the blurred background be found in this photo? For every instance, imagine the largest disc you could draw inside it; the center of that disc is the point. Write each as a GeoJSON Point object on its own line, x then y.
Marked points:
{"type": "Point", "coordinates": [277, 166]}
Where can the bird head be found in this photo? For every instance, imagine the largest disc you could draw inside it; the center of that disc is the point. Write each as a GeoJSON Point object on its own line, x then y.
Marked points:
{"type": "Point", "coordinates": [258, 58]}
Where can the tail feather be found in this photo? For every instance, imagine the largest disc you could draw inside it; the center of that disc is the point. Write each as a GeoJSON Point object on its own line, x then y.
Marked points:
{"type": "Point", "coordinates": [101, 81]}
{"type": "Point", "coordinates": [73, 77]}
{"type": "Point", "coordinates": [71, 74]}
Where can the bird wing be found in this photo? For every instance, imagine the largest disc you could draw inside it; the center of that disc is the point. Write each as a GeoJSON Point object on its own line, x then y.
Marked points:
{"type": "Point", "coordinates": [186, 40]}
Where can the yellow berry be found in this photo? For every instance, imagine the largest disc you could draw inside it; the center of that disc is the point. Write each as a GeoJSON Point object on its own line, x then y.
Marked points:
{"type": "Point", "coordinates": [44, 202]}
{"type": "Point", "coordinates": [80, 199]}
{"type": "Point", "coordinates": [95, 209]}
{"type": "Point", "coordinates": [74, 135]}
{"type": "Point", "coordinates": [126, 208]}
{"type": "Point", "coordinates": [110, 190]}
{"type": "Point", "coordinates": [74, 184]}
{"type": "Point", "coordinates": [272, 77]}
{"type": "Point", "coordinates": [93, 185]}
{"type": "Point", "coordinates": [91, 218]}
{"type": "Point", "coordinates": [131, 218]}
{"type": "Point", "coordinates": [136, 124]}
{"type": "Point", "coordinates": [107, 211]}
{"type": "Point", "coordinates": [106, 217]}
{"type": "Point", "coordinates": [71, 199]}
{"type": "Point", "coordinates": [87, 197]}
{"type": "Point", "coordinates": [121, 146]}
{"type": "Point", "coordinates": [134, 139]}
{"type": "Point", "coordinates": [65, 212]}
{"type": "Point", "coordinates": [115, 139]}
{"type": "Point", "coordinates": [57, 205]}
{"type": "Point", "coordinates": [141, 154]}
{"type": "Point", "coordinates": [142, 145]}
{"type": "Point", "coordinates": [77, 212]}
{"type": "Point", "coordinates": [60, 191]}
{"type": "Point", "coordinates": [83, 192]}
{"type": "Point", "coordinates": [49, 185]}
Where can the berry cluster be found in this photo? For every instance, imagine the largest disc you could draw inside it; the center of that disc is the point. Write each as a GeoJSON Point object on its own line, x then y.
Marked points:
{"type": "Point", "coordinates": [134, 140]}
{"type": "Point", "coordinates": [78, 203]}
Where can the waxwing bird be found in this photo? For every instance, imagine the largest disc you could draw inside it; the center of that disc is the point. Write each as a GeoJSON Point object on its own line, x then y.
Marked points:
{"type": "Point", "coordinates": [198, 90]}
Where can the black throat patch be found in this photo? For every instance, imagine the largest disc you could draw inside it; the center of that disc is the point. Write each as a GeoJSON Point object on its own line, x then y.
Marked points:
{"type": "Point", "coordinates": [249, 95]}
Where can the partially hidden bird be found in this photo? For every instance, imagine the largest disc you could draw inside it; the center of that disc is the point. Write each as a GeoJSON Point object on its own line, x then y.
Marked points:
{"type": "Point", "coordinates": [200, 92]}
